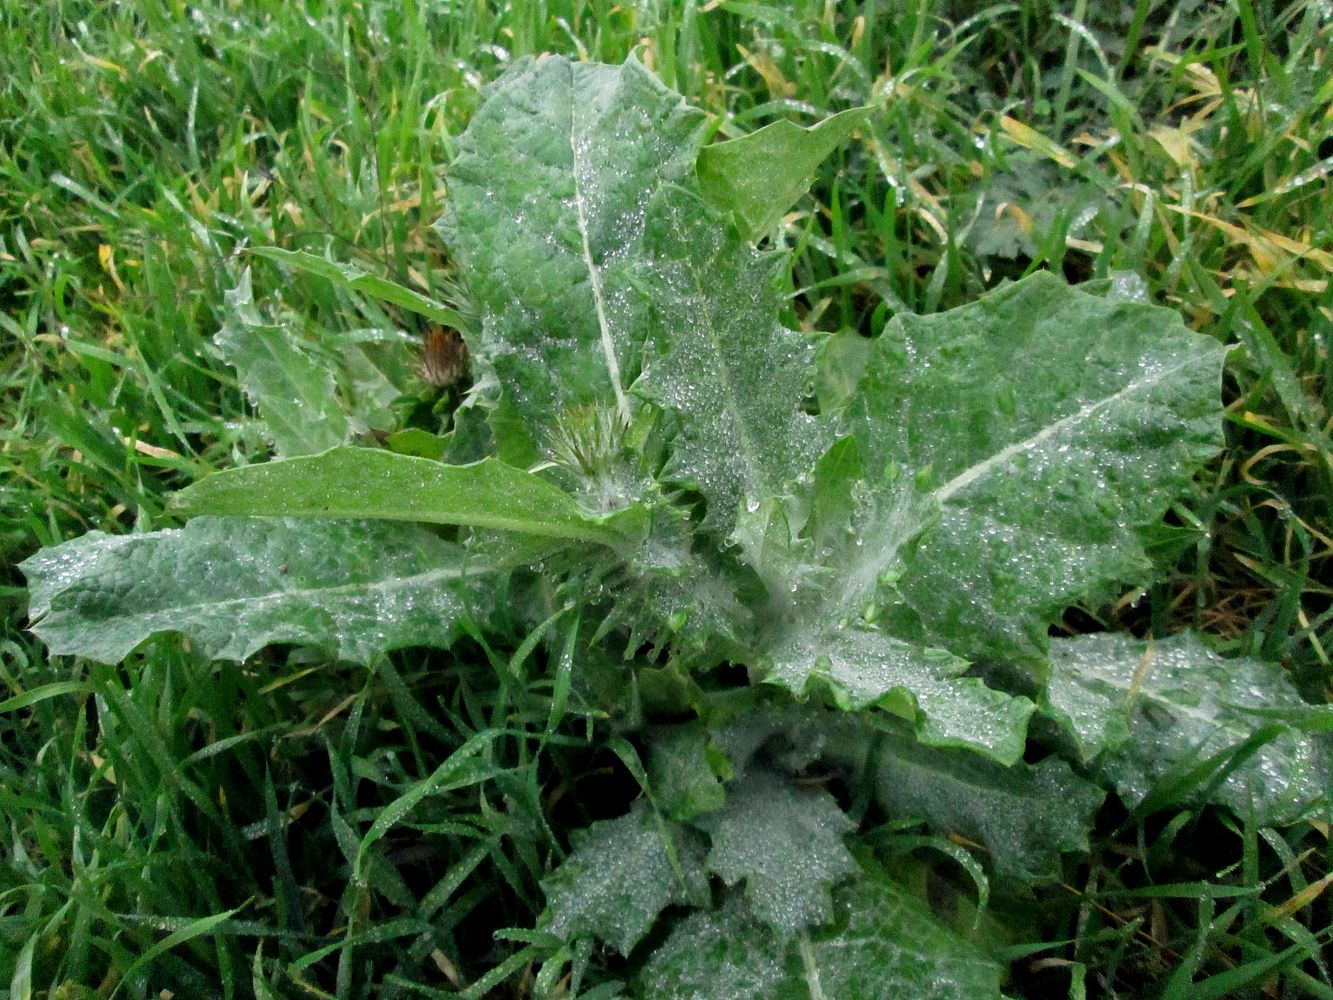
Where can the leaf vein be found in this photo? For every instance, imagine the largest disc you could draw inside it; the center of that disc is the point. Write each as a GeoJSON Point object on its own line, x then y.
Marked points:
{"type": "Point", "coordinates": [594, 273]}
{"type": "Point", "coordinates": [971, 474]}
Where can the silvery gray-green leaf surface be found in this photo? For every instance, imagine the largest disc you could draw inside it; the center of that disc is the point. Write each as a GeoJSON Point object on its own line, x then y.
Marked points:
{"type": "Point", "coordinates": [235, 585]}
{"type": "Point", "coordinates": [1054, 424]}
{"type": "Point", "coordinates": [293, 390]}
{"type": "Point", "coordinates": [861, 525]}
{"type": "Point", "coordinates": [546, 209]}
{"type": "Point", "coordinates": [754, 732]}
{"type": "Point", "coordinates": [1153, 708]}
{"type": "Point", "coordinates": [734, 377]}
{"type": "Point", "coordinates": [785, 843]}
{"type": "Point", "coordinates": [1001, 458]}
{"type": "Point", "coordinates": [861, 667]}
{"type": "Point", "coordinates": [882, 945]}
{"type": "Point", "coordinates": [622, 874]}
{"type": "Point", "coordinates": [588, 265]}
{"type": "Point", "coordinates": [1025, 815]}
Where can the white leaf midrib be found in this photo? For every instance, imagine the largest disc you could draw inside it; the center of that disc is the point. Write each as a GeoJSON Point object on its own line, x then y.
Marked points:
{"type": "Point", "coordinates": [1147, 691]}
{"type": "Point", "coordinates": [975, 472]}
{"type": "Point", "coordinates": [314, 594]}
{"type": "Point", "coordinates": [594, 273]}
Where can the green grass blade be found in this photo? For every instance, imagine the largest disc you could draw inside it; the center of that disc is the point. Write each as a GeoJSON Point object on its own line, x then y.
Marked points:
{"type": "Point", "coordinates": [196, 928]}
{"type": "Point", "coordinates": [42, 694]}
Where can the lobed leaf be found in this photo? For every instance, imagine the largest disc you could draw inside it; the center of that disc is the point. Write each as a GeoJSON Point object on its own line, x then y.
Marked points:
{"type": "Point", "coordinates": [293, 391]}
{"type": "Point", "coordinates": [862, 668]}
{"type": "Point", "coordinates": [786, 844]}
{"type": "Point", "coordinates": [549, 242]}
{"type": "Point", "coordinates": [590, 266]}
{"type": "Point", "coordinates": [621, 875]}
{"type": "Point", "coordinates": [1025, 815]}
{"type": "Point", "coordinates": [883, 945]}
{"type": "Point", "coordinates": [234, 585]}
{"type": "Point", "coordinates": [1055, 424]}
{"type": "Point", "coordinates": [1145, 710]}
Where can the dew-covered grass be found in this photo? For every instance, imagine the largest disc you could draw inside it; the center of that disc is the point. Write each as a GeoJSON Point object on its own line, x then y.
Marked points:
{"type": "Point", "coordinates": [176, 827]}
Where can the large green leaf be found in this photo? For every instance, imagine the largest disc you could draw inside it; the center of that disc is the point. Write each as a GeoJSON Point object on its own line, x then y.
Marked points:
{"type": "Point", "coordinates": [547, 200]}
{"type": "Point", "coordinates": [1001, 458]}
{"type": "Point", "coordinates": [235, 585]}
{"type": "Point", "coordinates": [372, 483]}
{"type": "Point", "coordinates": [786, 844]}
{"type": "Point", "coordinates": [293, 391]}
{"type": "Point", "coordinates": [884, 945]}
{"type": "Point", "coordinates": [590, 261]}
{"type": "Point", "coordinates": [760, 175]}
{"type": "Point", "coordinates": [732, 375]}
{"type": "Point", "coordinates": [1025, 815]}
{"type": "Point", "coordinates": [622, 874]}
{"type": "Point", "coordinates": [1054, 424]}
{"type": "Point", "coordinates": [1150, 709]}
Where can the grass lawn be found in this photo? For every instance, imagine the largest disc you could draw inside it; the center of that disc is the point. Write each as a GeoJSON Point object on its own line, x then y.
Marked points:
{"type": "Point", "coordinates": [178, 827]}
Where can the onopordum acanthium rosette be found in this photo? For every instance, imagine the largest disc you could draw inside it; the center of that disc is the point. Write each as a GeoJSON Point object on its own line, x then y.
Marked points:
{"type": "Point", "coordinates": [678, 494]}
